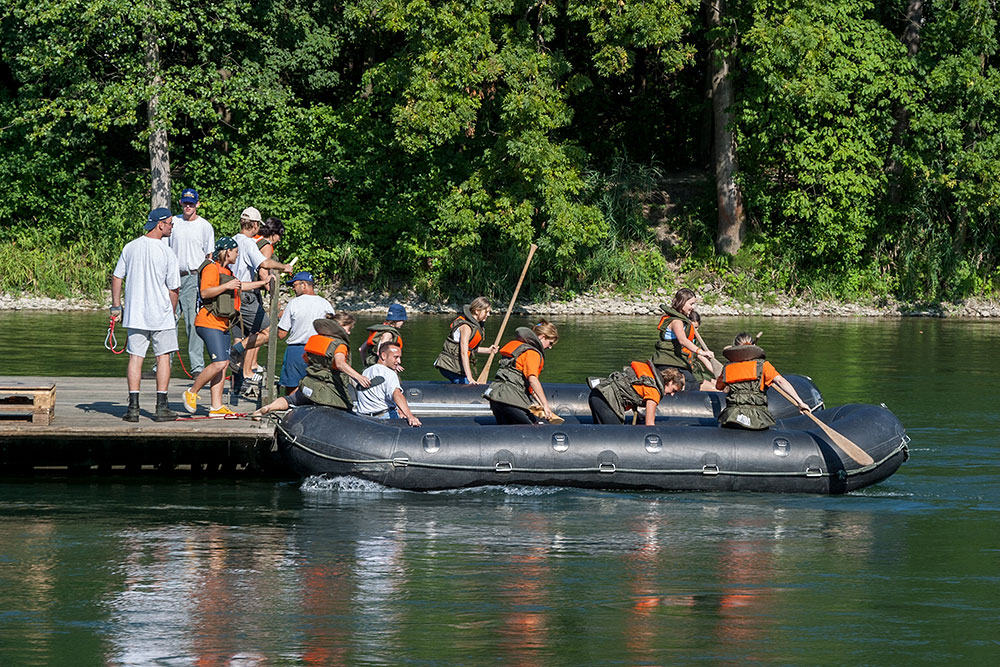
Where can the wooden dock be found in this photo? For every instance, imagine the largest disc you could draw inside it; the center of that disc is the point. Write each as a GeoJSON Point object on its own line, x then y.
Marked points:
{"type": "Point", "coordinates": [86, 433]}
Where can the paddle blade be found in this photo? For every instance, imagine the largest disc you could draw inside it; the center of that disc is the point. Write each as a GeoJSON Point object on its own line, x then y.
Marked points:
{"type": "Point", "coordinates": [376, 381]}
{"type": "Point", "coordinates": [539, 412]}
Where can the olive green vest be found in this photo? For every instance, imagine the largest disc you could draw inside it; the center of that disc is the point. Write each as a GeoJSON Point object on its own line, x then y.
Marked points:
{"type": "Point", "coordinates": [450, 358]}
{"type": "Point", "coordinates": [371, 352]}
{"type": "Point", "coordinates": [324, 384]}
{"type": "Point", "coordinates": [222, 305]}
{"type": "Point", "coordinates": [746, 404]}
{"type": "Point", "coordinates": [618, 390]}
{"type": "Point", "coordinates": [670, 352]}
{"type": "Point", "coordinates": [509, 384]}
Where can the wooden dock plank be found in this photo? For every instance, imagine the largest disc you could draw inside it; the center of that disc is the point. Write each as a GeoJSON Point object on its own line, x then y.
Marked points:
{"type": "Point", "coordinates": [87, 430]}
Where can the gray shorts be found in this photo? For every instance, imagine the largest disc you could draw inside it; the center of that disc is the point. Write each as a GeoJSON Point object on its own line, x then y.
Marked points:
{"type": "Point", "coordinates": [164, 342]}
{"type": "Point", "coordinates": [253, 318]}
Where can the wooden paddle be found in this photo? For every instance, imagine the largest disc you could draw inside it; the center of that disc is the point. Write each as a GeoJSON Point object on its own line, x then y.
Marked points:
{"type": "Point", "coordinates": [539, 412]}
{"type": "Point", "coordinates": [716, 364]}
{"type": "Point", "coordinates": [843, 442]}
{"type": "Point", "coordinates": [510, 307]}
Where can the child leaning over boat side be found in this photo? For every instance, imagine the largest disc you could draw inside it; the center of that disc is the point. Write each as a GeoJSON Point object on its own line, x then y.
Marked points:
{"type": "Point", "coordinates": [516, 387]}
{"type": "Point", "coordinates": [745, 380]}
{"type": "Point", "coordinates": [639, 384]}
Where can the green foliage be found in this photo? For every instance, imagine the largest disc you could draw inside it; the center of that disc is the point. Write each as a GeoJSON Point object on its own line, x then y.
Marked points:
{"type": "Point", "coordinates": [428, 143]}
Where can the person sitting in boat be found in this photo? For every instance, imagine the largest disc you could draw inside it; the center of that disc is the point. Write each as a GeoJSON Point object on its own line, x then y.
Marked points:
{"type": "Point", "coordinates": [515, 389]}
{"type": "Point", "coordinates": [745, 380]}
{"type": "Point", "coordinates": [328, 369]}
{"type": "Point", "coordinates": [638, 384]}
{"type": "Point", "coordinates": [380, 334]}
{"type": "Point", "coordinates": [456, 359]}
{"type": "Point", "coordinates": [673, 339]}
{"type": "Point", "coordinates": [700, 365]}
{"type": "Point", "coordinates": [385, 399]}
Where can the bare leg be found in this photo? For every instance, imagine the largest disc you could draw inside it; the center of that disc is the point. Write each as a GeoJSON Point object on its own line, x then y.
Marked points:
{"type": "Point", "coordinates": [162, 372]}
{"type": "Point", "coordinates": [134, 372]}
{"type": "Point", "coordinates": [208, 375]}
{"type": "Point", "coordinates": [217, 384]}
{"type": "Point", "coordinates": [277, 404]}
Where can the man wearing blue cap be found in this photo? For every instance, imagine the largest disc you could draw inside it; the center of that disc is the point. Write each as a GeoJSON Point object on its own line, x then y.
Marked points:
{"type": "Point", "coordinates": [193, 241]}
{"type": "Point", "coordinates": [150, 300]}
{"type": "Point", "coordinates": [296, 324]}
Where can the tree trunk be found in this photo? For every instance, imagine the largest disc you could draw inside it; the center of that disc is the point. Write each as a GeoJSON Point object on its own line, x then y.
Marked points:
{"type": "Point", "coordinates": [911, 39]}
{"type": "Point", "coordinates": [732, 219]}
{"type": "Point", "coordinates": [159, 154]}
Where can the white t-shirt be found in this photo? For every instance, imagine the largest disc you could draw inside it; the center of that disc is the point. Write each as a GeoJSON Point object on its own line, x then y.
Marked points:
{"type": "Point", "coordinates": [191, 240]}
{"type": "Point", "coordinates": [245, 268]}
{"type": "Point", "coordinates": [378, 398]}
{"type": "Point", "coordinates": [299, 314]}
{"type": "Point", "coordinates": [150, 272]}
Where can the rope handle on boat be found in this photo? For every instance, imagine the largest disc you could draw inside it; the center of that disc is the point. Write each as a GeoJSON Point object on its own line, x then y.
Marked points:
{"type": "Point", "coordinates": [110, 342]}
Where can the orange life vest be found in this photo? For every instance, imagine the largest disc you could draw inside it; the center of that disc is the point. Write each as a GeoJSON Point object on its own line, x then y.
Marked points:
{"type": "Point", "coordinates": [743, 371]}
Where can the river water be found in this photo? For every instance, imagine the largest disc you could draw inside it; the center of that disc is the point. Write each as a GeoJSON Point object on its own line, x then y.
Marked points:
{"type": "Point", "coordinates": [153, 571]}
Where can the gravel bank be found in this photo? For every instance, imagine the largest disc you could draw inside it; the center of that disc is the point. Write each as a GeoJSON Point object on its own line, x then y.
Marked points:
{"type": "Point", "coordinates": [360, 301]}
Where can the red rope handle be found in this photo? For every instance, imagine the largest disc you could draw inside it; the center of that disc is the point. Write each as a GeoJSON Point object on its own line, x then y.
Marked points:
{"type": "Point", "coordinates": [109, 341]}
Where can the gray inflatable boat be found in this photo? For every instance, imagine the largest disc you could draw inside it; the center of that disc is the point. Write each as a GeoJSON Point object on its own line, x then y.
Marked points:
{"type": "Point", "coordinates": [676, 454]}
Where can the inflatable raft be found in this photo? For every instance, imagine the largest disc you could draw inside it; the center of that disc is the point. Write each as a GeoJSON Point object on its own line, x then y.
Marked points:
{"type": "Point", "coordinates": [674, 455]}
{"type": "Point", "coordinates": [444, 399]}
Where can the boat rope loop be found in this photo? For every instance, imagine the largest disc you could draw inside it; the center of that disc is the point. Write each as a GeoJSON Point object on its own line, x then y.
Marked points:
{"type": "Point", "coordinates": [507, 467]}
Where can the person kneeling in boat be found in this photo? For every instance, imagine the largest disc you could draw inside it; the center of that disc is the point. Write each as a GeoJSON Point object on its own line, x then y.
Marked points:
{"type": "Point", "coordinates": [328, 370]}
{"type": "Point", "coordinates": [639, 384]}
{"type": "Point", "coordinates": [385, 399]}
{"type": "Point", "coordinates": [455, 361]}
{"type": "Point", "coordinates": [745, 380]}
{"type": "Point", "coordinates": [515, 389]}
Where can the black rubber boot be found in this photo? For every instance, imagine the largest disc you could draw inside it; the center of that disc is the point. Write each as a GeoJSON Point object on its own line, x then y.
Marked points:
{"type": "Point", "coordinates": [163, 412]}
{"type": "Point", "coordinates": [133, 408]}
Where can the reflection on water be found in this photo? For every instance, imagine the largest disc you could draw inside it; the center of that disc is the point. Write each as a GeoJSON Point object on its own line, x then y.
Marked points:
{"type": "Point", "coordinates": [345, 572]}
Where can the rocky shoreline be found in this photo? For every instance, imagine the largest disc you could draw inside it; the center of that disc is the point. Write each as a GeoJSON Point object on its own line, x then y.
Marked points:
{"type": "Point", "coordinates": [714, 303]}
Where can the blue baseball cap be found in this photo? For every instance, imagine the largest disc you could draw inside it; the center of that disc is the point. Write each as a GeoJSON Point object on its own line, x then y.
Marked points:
{"type": "Point", "coordinates": [155, 216]}
{"type": "Point", "coordinates": [301, 275]}
{"type": "Point", "coordinates": [189, 196]}
{"type": "Point", "coordinates": [396, 313]}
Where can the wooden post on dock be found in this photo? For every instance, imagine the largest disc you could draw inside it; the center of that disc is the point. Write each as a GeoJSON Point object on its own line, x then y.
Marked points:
{"type": "Point", "coordinates": [272, 341]}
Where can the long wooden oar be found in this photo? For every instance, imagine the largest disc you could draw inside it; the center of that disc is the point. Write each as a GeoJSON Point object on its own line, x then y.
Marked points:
{"type": "Point", "coordinates": [510, 307]}
{"type": "Point", "coordinates": [842, 441]}
{"type": "Point", "coordinates": [716, 364]}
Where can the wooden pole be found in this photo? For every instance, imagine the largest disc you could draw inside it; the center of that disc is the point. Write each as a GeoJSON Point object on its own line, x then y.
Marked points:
{"type": "Point", "coordinates": [272, 341]}
{"type": "Point", "coordinates": [503, 325]}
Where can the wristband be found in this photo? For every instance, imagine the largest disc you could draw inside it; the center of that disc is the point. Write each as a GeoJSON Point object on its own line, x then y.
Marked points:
{"type": "Point", "coordinates": [115, 310]}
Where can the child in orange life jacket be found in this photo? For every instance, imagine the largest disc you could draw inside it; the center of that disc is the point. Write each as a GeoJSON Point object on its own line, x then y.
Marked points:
{"type": "Point", "coordinates": [745, 380]}
{"type": "Point", "coordinates": [328, 354]}
{"type": "Point", "coordinates": [387, 332]}
{"type": "Point", "coordinates": [639, 384]}
{"type": "Point", "coordinates": [455, 361]}
{"type": "Point", "coordinates": [700, 365]}
{"type": "Point", "coordinates": [515, 387]}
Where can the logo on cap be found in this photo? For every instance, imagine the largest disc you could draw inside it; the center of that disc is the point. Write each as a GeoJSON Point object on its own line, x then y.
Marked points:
{"type": "Point", "coordinates": [189, 196]}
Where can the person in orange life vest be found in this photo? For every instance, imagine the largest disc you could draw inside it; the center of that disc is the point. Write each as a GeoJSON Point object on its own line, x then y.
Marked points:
{"type": "Point", "coordinates": [515, 387]}
{"type": "Point", "coordinates": [673, 339]}
{"type": "Point", "coordinates": [220, 303]}
{"type": "Point", "coordinates": [455, 360]}
{"type": "Point", "coordinates": [700, 365]}
{"type": "Point", "coordinates": [745, 380]}
{"type": "Point", "coordinates": [328, 354]}
{"type": "Point", "coordinates": [639, 384]}
{"type": "Point", "coordinates": [387, 332]}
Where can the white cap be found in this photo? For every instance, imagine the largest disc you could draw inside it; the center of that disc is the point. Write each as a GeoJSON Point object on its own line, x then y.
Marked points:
{"type": "Point", "coordinates": [250, 213]}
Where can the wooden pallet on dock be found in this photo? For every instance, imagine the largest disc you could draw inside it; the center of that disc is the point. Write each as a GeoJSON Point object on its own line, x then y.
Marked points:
{"type": "Point", "coordinates": [36, 403]}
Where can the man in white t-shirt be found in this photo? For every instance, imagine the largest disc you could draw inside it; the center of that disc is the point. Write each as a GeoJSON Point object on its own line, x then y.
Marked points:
{"type": "Point", "coordinates": [253, 318]}
{"type": "Point", "coordinates": [385, 400]}
{"type": "Point", "coordinates": [151, 293]}
{"type": "Point", "coordinates": [193, 241]}
{"type": "Point", "coordinates": [296, 326]}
